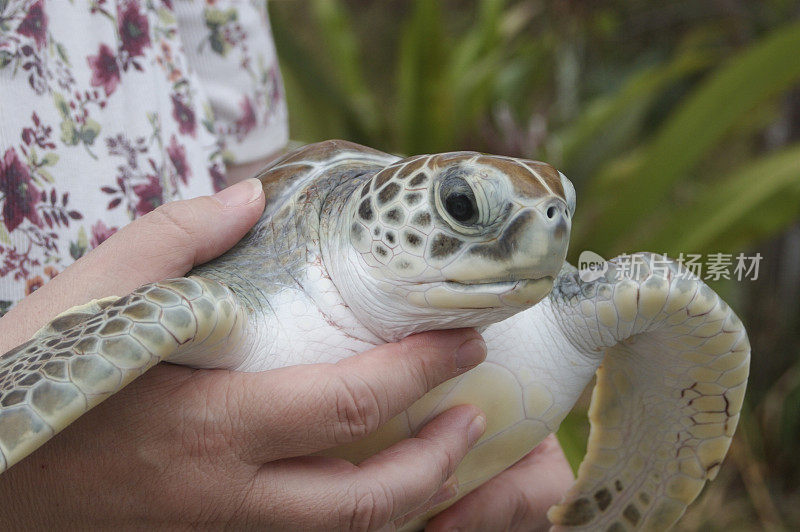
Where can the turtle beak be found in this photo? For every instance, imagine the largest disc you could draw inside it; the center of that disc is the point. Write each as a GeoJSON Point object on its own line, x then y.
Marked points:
{"type": "Point", "coordinates": [532, 246]}
{"type": "Point", "coordinates": [542, 250]}
{"type": "Point", "coordinates": [549, 237]}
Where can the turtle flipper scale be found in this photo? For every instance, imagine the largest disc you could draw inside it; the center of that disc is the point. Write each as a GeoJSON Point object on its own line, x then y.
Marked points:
{"type": "Point", "coordinates": [668, 394]}
{"type": "Point", "coordinates": [75, 315]}
{"type": "Point", "coordinates": [78, 360]}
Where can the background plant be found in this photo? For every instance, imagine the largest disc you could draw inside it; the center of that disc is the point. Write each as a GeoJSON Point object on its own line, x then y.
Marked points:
{"type": "Point", "coordinates": [678, 122]}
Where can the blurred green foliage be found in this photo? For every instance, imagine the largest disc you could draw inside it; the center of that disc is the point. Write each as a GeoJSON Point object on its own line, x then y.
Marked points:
{"type": "Point", "coordinates": [678, 122]}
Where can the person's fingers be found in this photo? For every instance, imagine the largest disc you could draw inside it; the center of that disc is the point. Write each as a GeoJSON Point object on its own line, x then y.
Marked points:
{"type": "Point", "coordinates": [350, 399]}
{"type": "Point", "coordinates": [162, 244]}
{"type": "Point", "coordinates": [304, 409]}
{"type": "Point", "coordinates": [448, 490]}
{"type": "Point", "coordinates": [516, 499]}
{"type": "Point", "coordinates": [381, 489]}
{"type": "Point", "coordinates": [168, 241]}
{"type": "Point", "coordinates": [426, 461]}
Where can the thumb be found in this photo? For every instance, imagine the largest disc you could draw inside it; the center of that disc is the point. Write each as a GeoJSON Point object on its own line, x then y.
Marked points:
{"type": "Point", "coordinates": [164, 243]}
{"type": "Point", "coordinates": [172, 239]}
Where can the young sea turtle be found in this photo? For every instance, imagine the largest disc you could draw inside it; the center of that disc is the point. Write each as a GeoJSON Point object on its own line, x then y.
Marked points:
{"type": "Point", "coordinates": [357, 247]}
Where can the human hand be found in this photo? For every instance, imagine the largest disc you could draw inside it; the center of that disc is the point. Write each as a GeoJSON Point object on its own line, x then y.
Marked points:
{"type": "Point", "coordinates": [207, 447]}
{"type": "Point", "coordinates": [516, 499]}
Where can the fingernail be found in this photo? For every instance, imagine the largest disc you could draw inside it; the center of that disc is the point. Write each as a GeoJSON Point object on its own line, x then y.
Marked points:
{"type": "Point", "coordinates": [470, 353]}
{"type": "Point", "coordinates": [448, 490]}
{"type": "Point", "coordinates": [239, 194]}
{"type": "Point", "coordinates": [476, 429]}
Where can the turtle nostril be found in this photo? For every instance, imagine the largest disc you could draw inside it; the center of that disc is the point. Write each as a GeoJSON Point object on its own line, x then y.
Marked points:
{"type": "Point", "coordinates": [552, 211]}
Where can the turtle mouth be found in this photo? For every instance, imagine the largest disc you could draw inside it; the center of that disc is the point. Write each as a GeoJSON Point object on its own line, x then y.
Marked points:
{"type": "Point", "coordinates": [516, 293]}
{"type": "Point", "coordinates": [498, 286]}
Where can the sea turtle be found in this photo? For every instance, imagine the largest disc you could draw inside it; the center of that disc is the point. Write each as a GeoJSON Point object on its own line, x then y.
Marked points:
{"type": "Point", "coordinates": [357, 247]}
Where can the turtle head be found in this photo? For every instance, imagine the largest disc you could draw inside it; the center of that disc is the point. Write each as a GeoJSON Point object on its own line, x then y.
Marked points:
{"type": "Point", "coordinates": [459, 232]}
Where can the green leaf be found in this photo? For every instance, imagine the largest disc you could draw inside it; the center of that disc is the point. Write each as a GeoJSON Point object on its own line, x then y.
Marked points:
{"type": "Point", "coordinates": [166, 16]}
{"type": "Point", "coordinates": [50, 159]}
{"type": "Point", "coordinates": [5, 238]}
{"type": "Point", "coordinates": [208, 112]}
{"type": "Point", "coordinates": [62, 53]}
{"type": "Point", "coordinates": [218, 44]}
{"type": "Point", "coordinates": [75, 252]}
{"type": "Point", "coordinates": [421, 108]}
{"type": "Point", "coordinates": [61, 106]}
{"type": "Point", "coordinates": [479, 53]}
{"type": "Point", "coordinates": [83, 240]}
{"type": "Point", "coordinates": [699, 124]}
{"type": "Point", "coordinates": [342, 48]}
{"type": "Point", "coordinates": [45, 174]}
{"type": "Point", "coordinates": [89, 131]}
{"type": "Point", "coordinates": [33, 157]}
{"type": "Point", "coordinates": [78, 248]}
{"type": "Point", "coordinates": [5, 58]}
{"type": "Point", "coordinates": [741, 206]}
{"type": "Point", "coordinates": [612, 121]}
{"type": "Point", "coordinates": [322, 106]}
{"type": "Point", "coordinates": [217, 17]}
{"type": "Point", "coordinates": [573, 435]}
{"type": "Point", "coordinates": [227, 157]}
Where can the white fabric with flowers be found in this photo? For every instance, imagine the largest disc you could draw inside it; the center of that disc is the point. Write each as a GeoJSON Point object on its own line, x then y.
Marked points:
{"type": "Point", "coordinates": [109, 108]}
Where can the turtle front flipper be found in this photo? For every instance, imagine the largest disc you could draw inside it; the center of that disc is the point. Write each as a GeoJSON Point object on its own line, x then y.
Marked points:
{"type": "Point", "coordinates": [79, 359]}
{"type": "Point", "coordinates": [668, 394]}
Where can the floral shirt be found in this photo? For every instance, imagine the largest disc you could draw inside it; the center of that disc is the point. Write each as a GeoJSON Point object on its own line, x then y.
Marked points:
{"type": "Point", "coordinates": [109, 108]}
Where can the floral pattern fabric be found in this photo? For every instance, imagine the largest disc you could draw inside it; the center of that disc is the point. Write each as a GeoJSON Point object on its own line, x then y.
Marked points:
{"type": "Point", "coordinates": [109, 108]}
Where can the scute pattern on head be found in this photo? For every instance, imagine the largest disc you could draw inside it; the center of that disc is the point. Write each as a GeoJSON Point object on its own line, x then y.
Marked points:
{"type": "Point", "coordinates": [549, 176]}
{"type": "Point", "coordinates": [285, 172]}
{"type": "Point", "coordinates": [389, 201]}
{"type": "Point", "coordinates": [455, 231]}
{"type": "Point", "coordinates": [394, 198]}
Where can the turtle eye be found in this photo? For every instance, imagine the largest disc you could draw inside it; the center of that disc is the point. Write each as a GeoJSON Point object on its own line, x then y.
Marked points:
{"type": "Point", "coordinates": [458, 200]}
{"type": "Point", "coordinates": [461, 207]}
